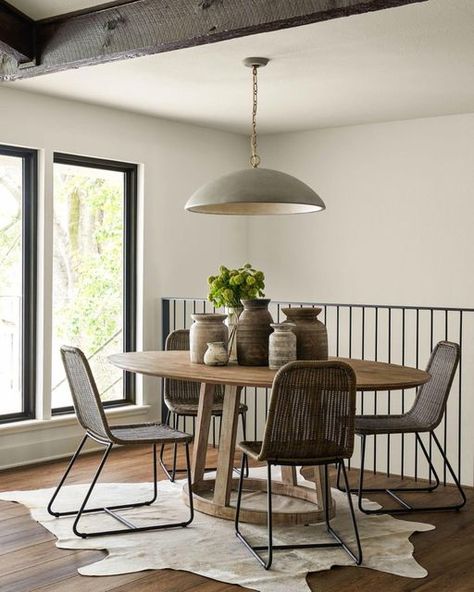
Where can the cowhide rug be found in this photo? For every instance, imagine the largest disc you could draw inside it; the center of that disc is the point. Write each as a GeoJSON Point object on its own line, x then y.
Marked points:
{"type": "Point", "coordinates": [209, 547]}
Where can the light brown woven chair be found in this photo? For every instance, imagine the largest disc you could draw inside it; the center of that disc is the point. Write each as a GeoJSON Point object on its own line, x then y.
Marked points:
{"type": "Point", "coordinates": [424, 417]}
{"type": "Point", "coordinates": [91, 416]}
{"type": "Point", "coordinates": [310, 422]}
{"type": "Point", "coordinates": [182, 399]}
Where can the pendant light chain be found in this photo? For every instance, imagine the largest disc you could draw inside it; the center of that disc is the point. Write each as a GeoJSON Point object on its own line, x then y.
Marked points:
{"type": "Point", "coordinates": [255, 158]}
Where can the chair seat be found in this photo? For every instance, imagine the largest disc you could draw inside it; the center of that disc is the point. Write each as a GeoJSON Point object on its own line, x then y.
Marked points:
{"type": "Point", "coordinates": [251, 448]}
{"type": "Point", "coordinates": [388, 424]}
{"type": "Point", "coordinates": [147, 432]}
{"type": "Point", "coordinates": [191, 409]}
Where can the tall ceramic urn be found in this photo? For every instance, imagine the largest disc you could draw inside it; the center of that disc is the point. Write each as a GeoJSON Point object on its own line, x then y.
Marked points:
{"type": "Point", "coordinates": [253, 331]}
{"type": "Point", "coordinates": [207, 328]}
{"type": "Point", "coordinates": [311, 334]}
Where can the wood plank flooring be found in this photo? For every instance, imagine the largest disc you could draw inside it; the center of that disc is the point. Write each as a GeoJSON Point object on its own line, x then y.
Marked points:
{"type": "Point", "coordinates": [30, 561]}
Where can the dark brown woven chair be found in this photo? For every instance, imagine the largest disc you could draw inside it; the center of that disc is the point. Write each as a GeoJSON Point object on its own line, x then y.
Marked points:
{"type": "Point", "coordinates": [91, 416]}
{"type": "Point", "coordinates": [310, 422]}
{"type": "Point", "coordinates": [182, 399]}
{"type": "Point", "coordinates": [424, 417]}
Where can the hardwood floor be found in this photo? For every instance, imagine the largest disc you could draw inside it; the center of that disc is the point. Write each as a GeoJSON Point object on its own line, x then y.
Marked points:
{"type": "Point", "coordinates": [30, 561]}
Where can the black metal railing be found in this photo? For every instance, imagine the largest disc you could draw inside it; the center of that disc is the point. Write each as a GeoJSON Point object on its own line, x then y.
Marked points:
{"type": "Point", "coordinates": [391, 333]}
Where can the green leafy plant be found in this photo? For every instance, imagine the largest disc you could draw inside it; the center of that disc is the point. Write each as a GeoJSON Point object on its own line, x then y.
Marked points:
{"type": "Point", "coordinates": [232, 286]}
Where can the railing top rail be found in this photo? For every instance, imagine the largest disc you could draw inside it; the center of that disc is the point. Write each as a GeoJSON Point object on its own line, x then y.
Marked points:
{"type": "Point", "coordinates": [339, 304]}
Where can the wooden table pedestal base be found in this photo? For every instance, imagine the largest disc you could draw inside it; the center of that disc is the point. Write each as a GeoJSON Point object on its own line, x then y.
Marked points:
{"type": "Point", "coordinates": [208, 506]}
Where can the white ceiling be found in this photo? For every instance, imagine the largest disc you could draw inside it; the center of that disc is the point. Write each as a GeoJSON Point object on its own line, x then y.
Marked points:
{"type": "Point", "coordinates": [401, 63]}
{"type": "Point", "coordinates": [39, 9]}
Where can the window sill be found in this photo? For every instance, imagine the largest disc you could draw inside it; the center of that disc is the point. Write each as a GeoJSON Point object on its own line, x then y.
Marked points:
{"type": "Point", "coordinates": [31, 425]}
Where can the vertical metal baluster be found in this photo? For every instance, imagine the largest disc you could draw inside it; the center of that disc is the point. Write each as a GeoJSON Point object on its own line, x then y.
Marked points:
{"type": "Point", "coordinates": [185, 320]}
{"type": "Point", "coordinates": [430, 443]}
{"type": "Point", "coordinates": [165, 329]}
{"type": "Point", "coordinates": [363, 356]}
{"type": "Point", "coordinates": [337, 331]}
{"type": "Point", "coordinates": [403, 396]}
{"type": "Point", "coordinates": [350, 354]}
{"type": "Point", "coordinates": [255, 413]}
{"type": "Point", "coordinates": [350, 331]}
{"type": "Point", "coordinates": [389, 392]}
{"type": "Point", "coordinates": [174, 315]}
{"type": "Point", "coordinates": [376, 351]}
{"type": "Point", "coordinates": [278, 313]}
{"type": "Point", "coordinates": [417, 361]}
{"type": "Point", "coordinates": [445, 434]}
{"type": "Point", "coordinates": [459, 396]}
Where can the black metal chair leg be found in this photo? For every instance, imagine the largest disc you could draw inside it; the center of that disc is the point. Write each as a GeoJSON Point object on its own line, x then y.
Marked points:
{"type": "Point", "coordinates": [89, 492]}
{"type": "Point", "coordinates": [405, 506]}
{"type": "Point", "coordinates": [110, 510]}
{"type": "Point", "coordinates": [162, 449]}
{"type": "Point", "coordinates": [116, 507]}
{"type": "Point", "coordinates": [155, 478]}
{"type": "Point", "coordinates": [270, 547]}
{"type": "Point", "coordinates": [453, 475]}
{"type": "Point", "coordinates": [64, 477]}
{"type": "Point", "coordinates": [390, 491]}
{"type": "Point", "coordinates": [171, 475]}
{"type": "Point", "coordinates": [190, 488]}
{"type": "Point", "coordinates": [244, 434]}
{"type": "Point", "coordinates": [357, 558]}
{"type": "Point", "coordinates": [266, 564]}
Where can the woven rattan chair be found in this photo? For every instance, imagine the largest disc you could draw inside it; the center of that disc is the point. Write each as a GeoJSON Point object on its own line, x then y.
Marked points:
{"type": "Point", "coordinates": [182, 399]}
{"type": "Point", "coordinates": [424, 417]}
{"type": "Point", "coordinates": [310, 422]}
{"type": "Point", "coordinates": [91, 416]}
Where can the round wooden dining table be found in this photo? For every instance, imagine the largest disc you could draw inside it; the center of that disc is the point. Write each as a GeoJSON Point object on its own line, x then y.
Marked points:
{"type": "Point", "coordinates": [213, 496]}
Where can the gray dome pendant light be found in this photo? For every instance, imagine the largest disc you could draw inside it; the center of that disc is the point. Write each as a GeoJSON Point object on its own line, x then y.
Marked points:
{"type": "Point", "coordinates": [255, 191]}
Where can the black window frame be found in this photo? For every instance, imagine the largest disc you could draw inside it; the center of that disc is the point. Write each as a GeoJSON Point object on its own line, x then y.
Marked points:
{"type": "Point", "coordinates": [129, 255]}
{"type": "Point", "coordinates": [29, 262]}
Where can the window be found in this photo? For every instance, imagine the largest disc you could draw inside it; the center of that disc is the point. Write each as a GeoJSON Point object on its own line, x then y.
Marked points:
{"type": "Point", "coordinates": [18, 197]}
{"type": "Point", "coordinates": [94, 269]}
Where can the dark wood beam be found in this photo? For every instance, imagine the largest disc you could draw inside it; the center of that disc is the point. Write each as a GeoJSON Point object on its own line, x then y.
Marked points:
{"type": "Point", "coordinates": [145, 27]}
{"type": "Point", "coordinates": [17, 34]}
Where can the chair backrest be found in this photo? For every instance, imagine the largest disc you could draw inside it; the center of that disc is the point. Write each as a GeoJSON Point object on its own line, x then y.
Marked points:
{"type": "Point", "coordinates": [311, 413]}
{"type": "Point", "coordinates": [85, 396]}
{"type": "Point", "coordinates": [430, 403]}
{"type": "Point", "coordinates": [180, 391]}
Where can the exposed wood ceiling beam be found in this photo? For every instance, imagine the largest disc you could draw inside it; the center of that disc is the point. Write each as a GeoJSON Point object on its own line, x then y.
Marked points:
{"type": "Point", "coordinates": [17, 34]}
{"type": "Point", "coordinates": [145, 27]}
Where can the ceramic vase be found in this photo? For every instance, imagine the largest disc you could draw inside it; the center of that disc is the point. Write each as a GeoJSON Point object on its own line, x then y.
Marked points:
{"type": "Point", "coordinates": [253, 331]}
{"type": "Point", "coordinates": [216, 354]}
{"type": "Point", "coordinates": [233, 314]}
{"type": "Point", "coordinates": [282, 345]}
{"type": "Point", "coordinates": [311, 334]}
{"type": "Point", "coordinates": [207, 328]}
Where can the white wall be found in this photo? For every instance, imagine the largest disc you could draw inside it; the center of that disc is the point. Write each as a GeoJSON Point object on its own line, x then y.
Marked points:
{"type": "Point", "coordinates": [178, 250]}
{"type": "Point", "coordinates": [398, 228]}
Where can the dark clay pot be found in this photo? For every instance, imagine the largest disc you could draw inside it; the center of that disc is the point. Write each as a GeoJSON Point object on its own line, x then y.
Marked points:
{"type": "Point", "coordinates": [253, 331]}
{"type": "Point", "coordinates": [311, 334]}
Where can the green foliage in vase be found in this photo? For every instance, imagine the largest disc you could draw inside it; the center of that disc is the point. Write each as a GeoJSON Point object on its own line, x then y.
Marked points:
{"type": "Point", "coordinates": [232, 286]}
